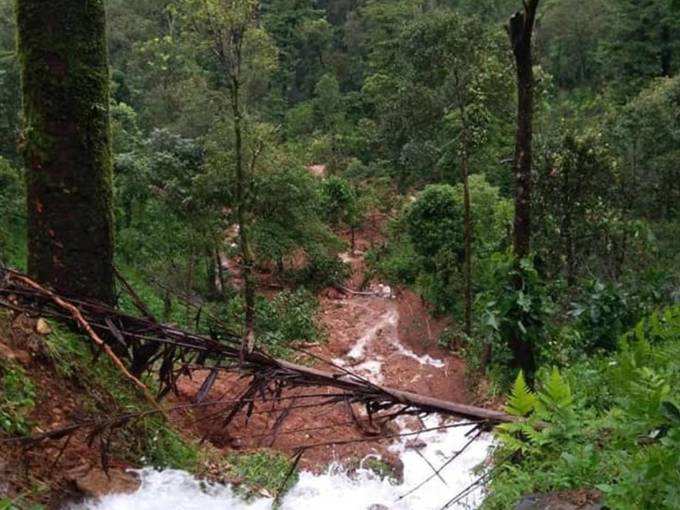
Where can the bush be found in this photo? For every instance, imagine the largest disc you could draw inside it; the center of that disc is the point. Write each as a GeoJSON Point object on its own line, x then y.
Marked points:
{"type": "Point", "coordinates": [289, 317]}
{"type": "Point", "coordinates": [322, 270]}
{"type": "Point", "coordinates": [610, 422]}
{"type": "Point", "coordinates": [502, 312]}
{"type": "Point", "coordinates": [264, 469]}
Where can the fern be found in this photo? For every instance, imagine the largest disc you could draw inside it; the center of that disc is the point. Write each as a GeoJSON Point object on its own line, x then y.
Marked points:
{"type": "Point", "coordinates": [522, 401]}
{"type": "Point", "coordinates": [555, 395]}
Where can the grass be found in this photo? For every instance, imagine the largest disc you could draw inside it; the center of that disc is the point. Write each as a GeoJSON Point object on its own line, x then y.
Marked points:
{"type": "Point", "coordinates": [149, 441]}
{"type": "Point", "coordinates": [263, 469]}
{"type": "Point", "coordinates": [17, 399]}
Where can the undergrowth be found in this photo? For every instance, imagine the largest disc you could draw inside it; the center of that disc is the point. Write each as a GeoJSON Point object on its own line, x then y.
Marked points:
{"type": "Point", "coordinates": [263, 469]}
{"type": "Point", "coordinates": [150, 440]}
{"type": "Point", "coordinates": [17, 399]}
{"type": "Point", "coordinates": [611, 423]}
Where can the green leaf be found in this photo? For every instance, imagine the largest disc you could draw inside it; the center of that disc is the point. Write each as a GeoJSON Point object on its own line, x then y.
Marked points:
{"type": "Point", "coordinates": [522, 401]}
{"type": "Point", "coordinates": [556, 393]}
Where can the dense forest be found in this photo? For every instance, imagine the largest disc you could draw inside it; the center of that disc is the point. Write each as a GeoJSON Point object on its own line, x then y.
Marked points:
{"type": "Point", "coordinates": [515, 164]}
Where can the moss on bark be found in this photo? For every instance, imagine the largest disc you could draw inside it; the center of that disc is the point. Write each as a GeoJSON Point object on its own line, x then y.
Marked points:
{"type": "Point", "coordinates": [67, 144]}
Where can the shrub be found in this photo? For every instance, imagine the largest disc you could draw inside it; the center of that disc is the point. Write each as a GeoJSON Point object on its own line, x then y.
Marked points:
{"type": "Point", "coordinates": [264, 469]}
{"type": "Point", "coordinates": [322, 270]}
{"type": "Point", "coordinates": [610, 422]}
{"type": "Point", "coordinates": [288, 318]}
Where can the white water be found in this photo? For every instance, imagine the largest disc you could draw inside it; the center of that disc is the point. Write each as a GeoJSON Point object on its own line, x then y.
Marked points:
{"type": "Point", "coordinates": [334, 490]}
{"type": "Point", "coordinates": [355, 359]}
{"type": "Point", "coordinates": [338, 489]}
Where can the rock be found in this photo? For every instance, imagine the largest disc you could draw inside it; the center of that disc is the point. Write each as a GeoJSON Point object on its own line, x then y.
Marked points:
{"type": "Point", "coordinates": [96, 483]}
{"type": "Point", "coordinates": [42, 327]}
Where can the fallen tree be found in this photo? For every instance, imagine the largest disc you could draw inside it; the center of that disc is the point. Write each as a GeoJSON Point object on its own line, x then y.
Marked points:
{"type": "Point", "coordinates": [180, 352]}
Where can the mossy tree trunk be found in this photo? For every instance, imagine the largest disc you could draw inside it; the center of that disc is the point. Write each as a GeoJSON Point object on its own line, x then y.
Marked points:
{"type": "Point", "coordinates": [67, 144]}
{"type": "Point", "coordinates": [520, 31]}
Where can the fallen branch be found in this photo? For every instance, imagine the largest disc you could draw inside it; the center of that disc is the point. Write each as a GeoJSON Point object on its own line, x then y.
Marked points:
{"type": "Point", "coordinates": [185, 349]}
{"type": "Point", "coordinates": [78, 317]}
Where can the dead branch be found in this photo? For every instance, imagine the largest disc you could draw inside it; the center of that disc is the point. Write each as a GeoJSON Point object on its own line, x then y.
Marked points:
{"type": "Point", "coordinates": [270, 376]}
{"type": "Point", "coordinates": [78, 317]}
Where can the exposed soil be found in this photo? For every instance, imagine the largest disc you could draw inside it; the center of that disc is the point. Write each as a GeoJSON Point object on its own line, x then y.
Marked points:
{"type": "Point", "coordinates": [388, 337]}
{"type": "Point", "coordinates": [51, 471]}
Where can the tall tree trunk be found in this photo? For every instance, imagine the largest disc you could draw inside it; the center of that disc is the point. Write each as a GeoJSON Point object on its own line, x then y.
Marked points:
{"type": "Point", "coordinates": [241, 213]}
{"type": "Point", "coordinates": [67, 145]}
{"type": "Point", "coordinates": [220, 272]}
{"type": "Point", "coordinates": [467, 220]}
{"type": "Point", "coordinates": [468, 246]}
{"type": "Point", "coordinates": [520, 31]}
{"type": "Point", "coordinates": [211, 274]}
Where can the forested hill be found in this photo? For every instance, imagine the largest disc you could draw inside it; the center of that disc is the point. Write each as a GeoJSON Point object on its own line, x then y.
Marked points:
{"type": "Point", "coordinates": [506, 171]}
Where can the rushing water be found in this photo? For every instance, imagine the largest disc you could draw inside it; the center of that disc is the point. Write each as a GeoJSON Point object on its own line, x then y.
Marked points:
{"type": "Point", "coordinates": [337, 489]}
{"type": "Point", "coordinates": [333, 490]}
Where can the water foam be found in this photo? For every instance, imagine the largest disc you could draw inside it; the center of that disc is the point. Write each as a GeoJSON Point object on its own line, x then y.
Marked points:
{"type": "Point", "coordinates": [336, 489]}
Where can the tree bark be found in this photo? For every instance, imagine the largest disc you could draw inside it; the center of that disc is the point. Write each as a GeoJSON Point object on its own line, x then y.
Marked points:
{"type": "Point", "coordinates": [241, 211]}
{"type": "Point", "coordinates": [520, 31]}
{"type": "Point", "coordinates": [67, 145]}
{"type": "Point", "coordinates": [467, 226]}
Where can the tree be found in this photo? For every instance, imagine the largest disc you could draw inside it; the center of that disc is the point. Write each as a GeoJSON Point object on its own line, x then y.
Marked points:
{"type": "Point", "coordinates": [229, 30]}
{"type": "Point", "coordinates": [67, 145]}
{"type": "Point", "coordinates": [646, 134]}
{"type": "Point", "coordinates": [570, 40]}
{"type": "Point", "coordinates": [435, 225]}
{"type": "Point", "coordinates": [303, 36]}
{"type": "Point", "coordinates": [644, 43]}
{"type": "Point", "coordinates": [576, 195]}
{"type": "Point", "coordinates": [520, 31]}
{"type": "Point", "coordinates": [441, 57]}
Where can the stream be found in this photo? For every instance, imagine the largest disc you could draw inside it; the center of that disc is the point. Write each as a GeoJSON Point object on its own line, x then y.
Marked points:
{"type": "Point", "coordinates": [337, 488]}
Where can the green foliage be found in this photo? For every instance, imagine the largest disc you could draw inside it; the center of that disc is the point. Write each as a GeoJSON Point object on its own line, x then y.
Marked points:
{"type": "Point", "coordinates": [504, 311]}
{"type": "Point", "coordinates": [263, 469]}
{"type": "Point", "coordinates": [646, 134]}
{"type": "Point", "coordinates": [604, 314]}
{"type": "Point", "coordinates": [381, 468]}
{"type": "Point", "coordinates": [322, 270]}
{"type": "Point", "coordinates": [434, 223]}
{"type": "Point", "coordinates": [150, 440]}
{"type": "Point", "coordinates": [12, 214]}
{"type": "Point", "coordinates": [522, 401]}
{"type": "Point", "coordinates": [287, 221]}
{"type": "Point", "coordinates": [339, 202]}
{"type": "Point", "coordinates": [164, 448]}
{"type": "Point", "coordinates": [611, 423]}
{"type": "Point", "coordinates": [17, 399]}
{"type": "Point", "coordinates": [18, 504]}
{"type": "Point", "coordinates": [289, 317]}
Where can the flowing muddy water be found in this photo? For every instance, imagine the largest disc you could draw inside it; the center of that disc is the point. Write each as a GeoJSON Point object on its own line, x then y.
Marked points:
{"type": "Point", "coordinates": [338, 489]}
